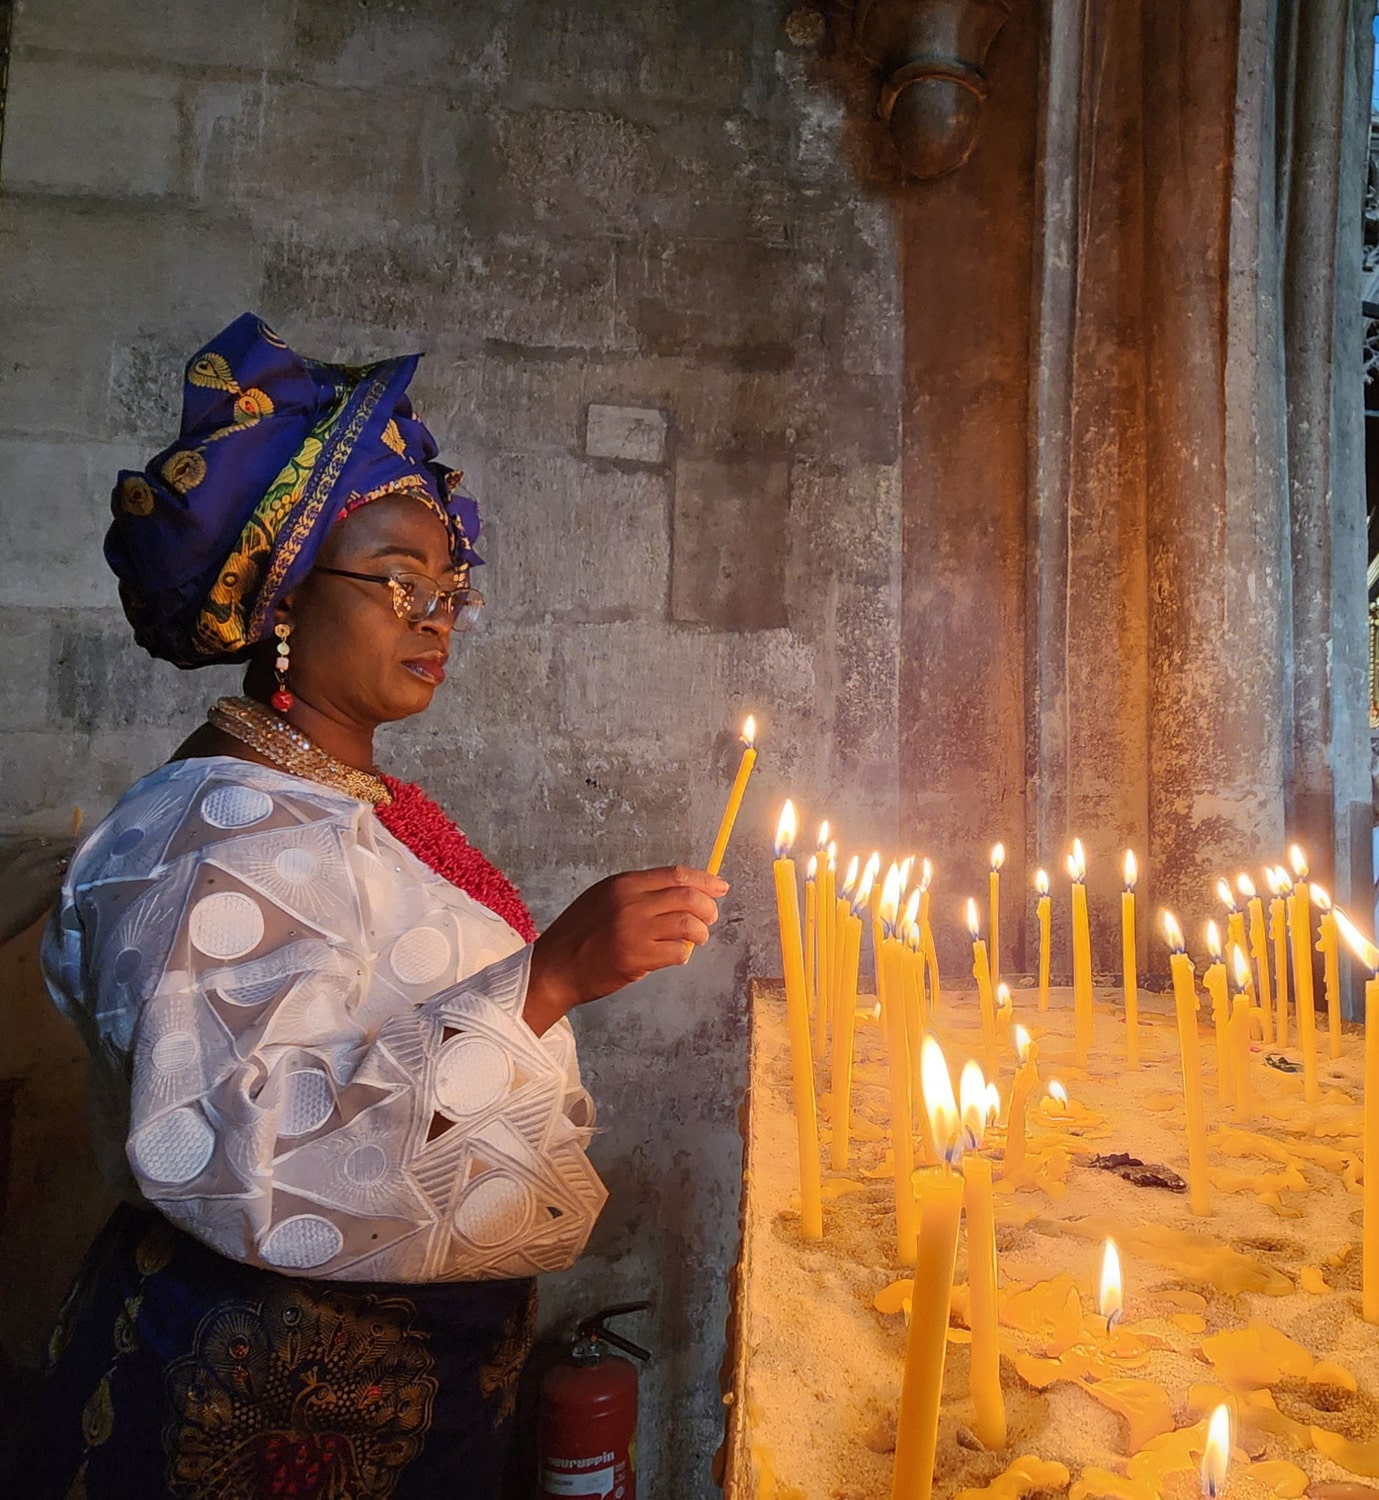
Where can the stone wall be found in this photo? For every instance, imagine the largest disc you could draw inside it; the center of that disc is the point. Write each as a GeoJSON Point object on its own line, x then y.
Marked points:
{"type": "Point", "coordinates": [660, 317]}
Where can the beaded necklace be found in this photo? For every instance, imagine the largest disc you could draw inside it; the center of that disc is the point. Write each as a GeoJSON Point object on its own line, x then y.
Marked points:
{"type": "Point", "coordinates": [412, 817]}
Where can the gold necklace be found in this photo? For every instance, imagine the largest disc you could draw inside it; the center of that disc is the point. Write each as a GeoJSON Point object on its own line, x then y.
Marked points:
{"type": "Point", "coordinates": [290, 750]}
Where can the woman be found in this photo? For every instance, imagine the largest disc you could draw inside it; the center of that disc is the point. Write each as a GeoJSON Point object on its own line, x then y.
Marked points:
{"type": "Point", "coordinates": [330, 1052]}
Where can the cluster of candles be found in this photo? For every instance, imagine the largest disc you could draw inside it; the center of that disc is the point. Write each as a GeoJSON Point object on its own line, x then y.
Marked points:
{"type": "Point", "coordinates": [821, 957]}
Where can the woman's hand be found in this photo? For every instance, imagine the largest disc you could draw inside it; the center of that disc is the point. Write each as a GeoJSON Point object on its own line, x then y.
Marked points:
{"type": "Point", "coordinates": [617, 932]}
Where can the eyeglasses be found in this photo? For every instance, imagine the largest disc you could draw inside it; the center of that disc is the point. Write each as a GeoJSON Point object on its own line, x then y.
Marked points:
{"type": "Point", "coordinates": [417, 597]}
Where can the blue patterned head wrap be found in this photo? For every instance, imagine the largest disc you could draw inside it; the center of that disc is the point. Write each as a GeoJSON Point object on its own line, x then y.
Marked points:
{"type": "Point", "coordinates": [273, 450]}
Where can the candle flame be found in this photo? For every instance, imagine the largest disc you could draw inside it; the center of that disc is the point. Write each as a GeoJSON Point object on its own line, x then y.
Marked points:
{"type": "Point", "coordinates": [832, 853]}
{"type": "Point", "coordinates": [1322, 897]}
{"type": "Point", "coordinates": [1109, 1300]}
{"type": "Point", "coordinates": [1022, 1040]}
{"type": "Point", "coordinates": [811, 870]}
{"type": "Point", "coordinates": [1132, 869]}
{"type": "Point", "coordinates": [1214, 941]}
{"type": "Point", "coordinates": [1077, 861]}
{"type": "Point", "coordinates": [1173, 932]}
{"type": "Point", "coordinates": [1298, 860]}
{"type": "Point", "coordinates": [1058, 1093]}
{"type": "Point", "coordinates": [890, 896]}
{"type": "Point", "coordinates": [1360, 945]}
{"type": "Point", "coordinates": [911, 917]}
{"type": "Point", "coordinates": [974, 925]}
{"type": "Point", "coordinates": [1271, 879]}
{"type": "Point", "coordinates": [850, 879]}
{"type": "Point", "coordinates": [993, 1104]}
{"type": "Point", "coordinates": [1224, 891]}
{"type": "Point", "coordinates": [907, 868]}
{"type": "Point", "coordinates": [1003, 995]}
{"type": "Point", "coordinates": [972, 1101]}
{"type": "Point", "coordinates": [1285, 881]}
{"type": "Point", "coordinates": [872, 870]}
{"type": "Point", "coordinates": [786, 830]}
{"type": "Point", "coordinates": [749, 730]}
{"type": "Point", "coordinates": [915, 940]}
{"type": "Point", "coordinates": [998, 856]}
{"type": "Point", "coordinates": [863, 896]}
{"type": "Point", "coordinates": [927, 874]}
{"type": "Point", "coordinates": [1245, 886]}
{"type": "Point", "coordinates": [942, 1108]}
{"type": "Point", "coordinates": [1041, 882]}
{"type": "Point", "coordinates": [823, 836]}
{"type": "Point", "coordinates": [1217, 1453]}
{"type": "Point", "coordinates": [1241, 965]}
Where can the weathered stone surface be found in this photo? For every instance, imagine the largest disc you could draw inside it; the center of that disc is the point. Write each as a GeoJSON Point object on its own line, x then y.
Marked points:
{"type": "Point", "coordinates": [635, 434]}
{"type": "Point", "coordinates": [730, 525]}
{"type": "Point", "coordinates": [158, 32]}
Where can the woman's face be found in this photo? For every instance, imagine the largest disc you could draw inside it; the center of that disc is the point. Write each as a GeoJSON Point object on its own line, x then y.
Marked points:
{"type": "Point", "coordinates": [353, 658]}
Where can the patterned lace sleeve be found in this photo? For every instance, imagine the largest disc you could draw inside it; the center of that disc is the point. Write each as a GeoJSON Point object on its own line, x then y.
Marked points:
{"type": "Point", "coordinates": [328, 1069]}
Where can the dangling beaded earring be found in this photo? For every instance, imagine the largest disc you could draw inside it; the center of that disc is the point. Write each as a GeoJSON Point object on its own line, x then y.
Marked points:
{"type": "Point", "coordinates": [282, 699]}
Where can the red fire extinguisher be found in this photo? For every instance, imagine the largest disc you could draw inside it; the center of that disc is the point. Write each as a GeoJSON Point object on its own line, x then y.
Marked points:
{"type": "Point", "coordinates": [588, 1414]}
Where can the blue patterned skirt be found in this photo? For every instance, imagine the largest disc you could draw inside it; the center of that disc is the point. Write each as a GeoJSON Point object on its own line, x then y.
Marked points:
{"type": "Point", "coordinates": [177, 1373]}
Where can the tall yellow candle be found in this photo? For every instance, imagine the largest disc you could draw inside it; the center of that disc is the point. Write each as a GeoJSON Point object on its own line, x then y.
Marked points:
{"type": "Point", "coordinates": [981, 972]}
{"type": "Point", "coordinates": [828, 946]}
{"type": "Point", "coordinates": [1044, 913]}
{"type": "Point", "coordinates": [878, 885]}
{"type": "Point", "coordinates": [1214, 982]}
{"type": "Point", "coordinates": [1005, 1014]}
{"type": "Point", "coordinates": [1368, 955]}
{"type": "Point", "coordinates": [843, 1033]}
{"type": "Point", "coordinates": [1300, 934]}
{"type": "Point", "coordinates": [1185, 1004]}
{"type": "Point", "coordinates": [811, 931]}
{"type": "Point", "coordinates": [842, 908]}
{"type": "Point", "coordinates": [1259, 951]}
{"type": "Point", "coordinates": [1279, 887]}
{"type": "Point", "coordinates": [927, 939]}
{"type": "Point", "coordinates": [801, 1060]}
{"type": "Point", "coordinates": [1084, 1019]}
{"type": "Point", "coordinates": [1129, 963]}
{"type": "Point", "coordinates": [1328, 945]}
{"type": "Point", "coordinates": [1026, 1081]}
{"type": "Point", "coordinates": [744, 770]}
{"type": "Point", "coordinates": [907, 934]}
{"type": "Point", "coordinates": [926, 1344]}
{"type": "Point", "coordinates": [1240, 1035]}
{"type": "Point", "coordinates": [1235, 918]}
{"type": "Point", "coordinates": [998, 858]}
{"type": "Point", "coordinates": [989, 1423]}
{"type": "Point", "coordinates": [898, 1064]}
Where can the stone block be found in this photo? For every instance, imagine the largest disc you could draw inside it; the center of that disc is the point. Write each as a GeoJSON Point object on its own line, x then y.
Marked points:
{"type": "Point", "coordinates": [346, 157]}
{"type": "Point", "coordinates": [423, 45]}
{"type": "Point", "coordinates": [730, 537]}
{"type": "Point", "coordinates": [634, 434]}
{"type": "Point", "coordinates": [164, 31]}
{"type": "Point", "coordinates": [71, 128]}
{"type": "Point", "coordinates": [567, 541]}
{"type": "Point", "coordinates": [54, 509]}
{"type": "Point", "coordinates": [27, 634]}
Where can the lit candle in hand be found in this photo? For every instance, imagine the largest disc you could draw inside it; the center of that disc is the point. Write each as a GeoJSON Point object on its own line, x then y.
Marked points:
{"type": "Point", "coordinates": [990, 1420]}
{"type": "Point", "coordinates": [1259, 948]}
{"type": "Point", "coordinates": [1185, 1004]}
{"type": "Point", "coordinates": [1128, 962]}
{"type": "Point", "coordinates": [1368, 955]}
{"type": "Point", "coordinates": [797, 1012]}
{"type": "Point", "coordinates": [981, 972]}
{"type": "Point", "coordinates": [1084, 1021]}
{"type": "Point", "coordinates": [1044, 911]}
{"type": "Point", "coordinates": [1214, 981]}
{"type": "Point", "coordinates": [1216, 1456]}
{"type": "Point", "coordinates": [1026, 1080]}
{"type": "Point", "coordinates": [998, 858]}
{"type": "Point", "coordinates": [744, 770]}
{"type": "Point", "coordinates": [1280, 888]}
{"type": "Point", "coordinates": [926, 1345]}
{"type": "Point", "coordinates": [1328, 945]}
{"type": "Point", "coordinates": [1300, 932]}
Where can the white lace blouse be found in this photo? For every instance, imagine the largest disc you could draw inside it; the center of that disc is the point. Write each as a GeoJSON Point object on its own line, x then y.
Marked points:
{"type": "Point", "coordinates": [311, 1045]}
